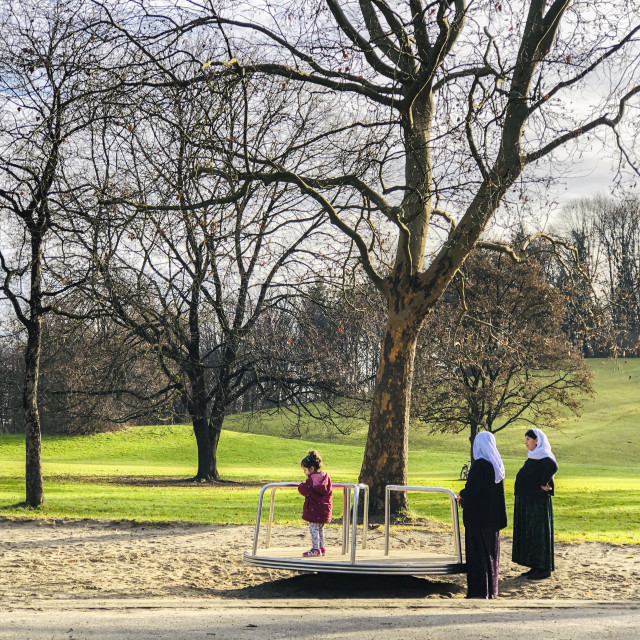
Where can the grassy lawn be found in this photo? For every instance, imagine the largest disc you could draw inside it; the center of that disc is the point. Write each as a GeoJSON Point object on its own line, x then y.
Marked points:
{"type": "Point", "coordinates": [137, 473]}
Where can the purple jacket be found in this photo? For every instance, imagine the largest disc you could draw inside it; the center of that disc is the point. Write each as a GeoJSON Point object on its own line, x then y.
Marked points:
{"type": "Point", "coordinates": [318, 501]}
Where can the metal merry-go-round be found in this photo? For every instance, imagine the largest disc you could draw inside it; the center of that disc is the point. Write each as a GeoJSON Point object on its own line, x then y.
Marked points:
{"type": "Point", "coordinates": [354, 558]}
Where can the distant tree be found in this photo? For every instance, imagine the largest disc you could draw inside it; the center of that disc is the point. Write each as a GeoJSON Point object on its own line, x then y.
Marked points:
{"type": "Point", "coordinates": [347, 325]}
{"type": "Point", "coordinates": [324, 363]}
{"type": "Point", "coordinates": [617, 223]}
{"type": "Point", "coordinates": [96, 376]}
{"type": "Point", "coordinates": [497, 355]}
{"type": "Point", "coordinates": [604, 317]}
{"type": "Point", "coordinates": [11, 375]}
{"type": "Point", "coordinates": [565, 261]}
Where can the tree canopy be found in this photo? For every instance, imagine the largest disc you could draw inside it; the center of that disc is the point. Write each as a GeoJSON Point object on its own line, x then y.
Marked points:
{"type": "Point", "coordinates": [495, 353]}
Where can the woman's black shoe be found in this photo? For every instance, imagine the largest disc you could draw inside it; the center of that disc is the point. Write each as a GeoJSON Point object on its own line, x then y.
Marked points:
{"type": "Point", "coordinates": [539, 574]}
{"type": "Point", "coordinates": [526, 574]}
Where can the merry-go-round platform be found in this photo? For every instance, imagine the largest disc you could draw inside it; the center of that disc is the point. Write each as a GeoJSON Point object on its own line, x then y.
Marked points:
{"type": "Point", "coordinates": [354, 556]}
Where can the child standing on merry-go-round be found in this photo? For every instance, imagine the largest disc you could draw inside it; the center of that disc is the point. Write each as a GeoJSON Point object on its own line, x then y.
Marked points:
{"type": "Point", "coordinates": [318, 501]}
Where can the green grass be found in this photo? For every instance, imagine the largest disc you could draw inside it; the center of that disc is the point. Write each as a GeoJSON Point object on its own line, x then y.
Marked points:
{"type": "Point", "coordinates": [135, 473]}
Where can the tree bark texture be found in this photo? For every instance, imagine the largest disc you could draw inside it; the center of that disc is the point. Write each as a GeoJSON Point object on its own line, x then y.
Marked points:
{"type": "Point", "coordinates": [207, 437]}
{"type": "Point", "coordinates": [206, 429]}
{"type": "Point", "coordinates": [386, 452]}
{"type": "Point", "coordinates": [387, 447]}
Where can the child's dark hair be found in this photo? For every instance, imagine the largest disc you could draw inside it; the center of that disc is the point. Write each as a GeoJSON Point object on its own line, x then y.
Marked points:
{"type": "Point", "coordinates": [531, 434]}
{"type": "Point", "coordinates": [312, 459]}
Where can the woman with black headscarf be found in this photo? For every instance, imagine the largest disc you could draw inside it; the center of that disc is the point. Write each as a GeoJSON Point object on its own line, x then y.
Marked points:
{"type": "Point", "coordinates": [533, 512]}
{"type": "Point", "coordinates": [484, 515]}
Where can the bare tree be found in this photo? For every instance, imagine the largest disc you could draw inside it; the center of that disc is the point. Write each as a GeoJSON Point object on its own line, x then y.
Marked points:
{"type": "Point", "coordinates": [618, 227]}
{"type": "Point", "coordinates": [606, 234]}
{"type": "Point", "coordinates": [321, 351]}
{"type": "Point", "coordinates": [188, 258]}
{"type": "Point", "coordinates": [11, 373]}
{"type": "Point", "coordinates": [46, 62]}
{"type": "Point", "coordinates": [96, 376]}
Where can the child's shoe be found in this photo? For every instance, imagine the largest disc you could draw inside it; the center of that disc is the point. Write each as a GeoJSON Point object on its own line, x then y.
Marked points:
{"type": "Point", "coordinates": [321, 551]}
{"type": "Point", "coordinates": [311, 552]}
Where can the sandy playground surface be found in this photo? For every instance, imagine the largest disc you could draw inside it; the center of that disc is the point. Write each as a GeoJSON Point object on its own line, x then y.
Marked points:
{"type": "Point", "coordinates": [86, 559]}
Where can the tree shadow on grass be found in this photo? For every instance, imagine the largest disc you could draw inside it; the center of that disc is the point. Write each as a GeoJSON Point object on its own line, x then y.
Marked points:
{"type": "Point", "coordinates": [332, 586]}
{"type": "Point", "coordinates": [22, 505]}
{"type": "Point", "coordinates": [152, 481]}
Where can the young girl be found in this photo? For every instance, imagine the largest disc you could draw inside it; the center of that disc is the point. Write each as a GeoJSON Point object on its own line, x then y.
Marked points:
{"type": "Point", "coordinates": [318, 500]}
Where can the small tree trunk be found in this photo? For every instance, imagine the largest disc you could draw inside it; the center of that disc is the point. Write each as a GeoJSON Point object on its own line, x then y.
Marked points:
{"type": "Point", "coordinates": [33, 438]}
{"type": "Point", "coordinates": [472, 438]}
{"type": "Point", "coordinates": [387, 448]}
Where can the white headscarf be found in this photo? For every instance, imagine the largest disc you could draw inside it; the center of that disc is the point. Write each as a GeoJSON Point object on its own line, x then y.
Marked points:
{"type": "Point", "coordinates": [484, 448]}
{"type": "Point", "coordinates": [543, 448]}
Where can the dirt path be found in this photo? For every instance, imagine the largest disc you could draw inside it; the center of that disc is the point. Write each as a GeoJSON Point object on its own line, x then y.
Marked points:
{"type": "Point", "coordinates": [49, 560]}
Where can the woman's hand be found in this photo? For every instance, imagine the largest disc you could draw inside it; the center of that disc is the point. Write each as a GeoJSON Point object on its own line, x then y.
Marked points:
{"type": "Point", "coordinates": [546, 487]}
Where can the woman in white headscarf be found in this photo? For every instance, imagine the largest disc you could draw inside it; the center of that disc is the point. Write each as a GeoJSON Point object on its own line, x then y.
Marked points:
{"type": "Point", "coordinates": [484, 515]}
{"type": "Point", "coordinates": [533, 512]}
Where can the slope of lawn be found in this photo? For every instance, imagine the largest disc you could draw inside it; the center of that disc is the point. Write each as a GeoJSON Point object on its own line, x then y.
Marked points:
{"type": "Point", "coordinates": [138, 473]}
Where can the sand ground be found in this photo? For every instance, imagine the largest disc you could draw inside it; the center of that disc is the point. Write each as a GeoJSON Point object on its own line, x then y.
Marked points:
{"type": "Point", "coordinates": [45, 561]}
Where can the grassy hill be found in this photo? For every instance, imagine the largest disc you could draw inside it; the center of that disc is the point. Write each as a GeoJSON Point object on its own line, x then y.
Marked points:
{"type": "Point", "coordinates": [137, 473]}
{"type": "Point", "coordinates": [606, 432]}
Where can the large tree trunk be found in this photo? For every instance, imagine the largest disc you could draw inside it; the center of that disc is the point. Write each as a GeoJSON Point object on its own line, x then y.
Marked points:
{"type": "Point", "coordinates": [205, 433]}
{"type": "Point", "coordinates": [206, 430]}
{"type": "Point", "coordinates": [207, 438]}
{"type": "Point", "coordinates": [206, 426]}
{"type": "Point", "coordinates": [387, 448]}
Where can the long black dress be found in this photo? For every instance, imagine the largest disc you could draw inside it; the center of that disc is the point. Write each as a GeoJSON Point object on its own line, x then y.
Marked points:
{"type": "Point", "coordinates": [533, 515]}
{"type": "Point", "coordinates": [484, 514]}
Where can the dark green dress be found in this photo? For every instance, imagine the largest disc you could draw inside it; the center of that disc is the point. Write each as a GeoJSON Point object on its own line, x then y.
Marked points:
{"type": "Point", "coordinates": [533, 515]}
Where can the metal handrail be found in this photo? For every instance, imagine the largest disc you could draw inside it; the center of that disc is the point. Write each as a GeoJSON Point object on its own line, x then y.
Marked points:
{"type": "Point", "coordinates": [349, 516]}
{"type": "Point", "coordinates": [454, 513]}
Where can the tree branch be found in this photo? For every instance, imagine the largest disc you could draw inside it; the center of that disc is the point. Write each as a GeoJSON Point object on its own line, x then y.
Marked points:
{"type": "Point", "coordinates": [576, 133]}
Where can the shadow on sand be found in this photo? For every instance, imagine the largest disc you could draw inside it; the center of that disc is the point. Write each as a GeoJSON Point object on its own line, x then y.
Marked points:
{"type": "Point", "coordinates": [330, 586]}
